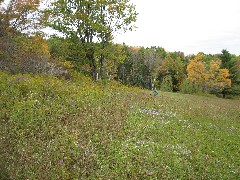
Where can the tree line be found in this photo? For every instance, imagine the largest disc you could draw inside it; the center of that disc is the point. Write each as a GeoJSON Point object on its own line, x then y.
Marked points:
{"type": "Point", "coordinates": [85, 32]}
{"type": "Point", "coordinates": [155, 67]}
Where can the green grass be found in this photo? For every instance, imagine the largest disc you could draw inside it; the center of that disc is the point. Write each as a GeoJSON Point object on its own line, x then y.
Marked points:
{"type": "Point", "coordinates": [56, 129]}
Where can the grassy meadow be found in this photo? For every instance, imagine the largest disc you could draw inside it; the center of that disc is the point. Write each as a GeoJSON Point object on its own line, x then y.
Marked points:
{"type": "Point", "coordinates": [53, 128]}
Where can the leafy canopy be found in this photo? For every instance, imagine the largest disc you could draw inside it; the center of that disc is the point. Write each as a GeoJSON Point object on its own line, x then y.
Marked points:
{"type": "Point", "coordinates": [89, 19]}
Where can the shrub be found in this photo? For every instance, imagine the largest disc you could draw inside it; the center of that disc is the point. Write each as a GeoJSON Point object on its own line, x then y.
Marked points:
{"type": "Point", "coordinates": [189, 87]}
{"type": "Point", "coordinates": [29, 55]}
{"type": "Point", "coordinates": [167, 84]}
{"type": "Point", "coordinates": [57, 126]}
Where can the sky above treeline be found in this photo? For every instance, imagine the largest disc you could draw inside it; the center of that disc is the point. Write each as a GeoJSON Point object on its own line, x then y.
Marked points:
{"type": "Point", "coordinates": [190, 26]}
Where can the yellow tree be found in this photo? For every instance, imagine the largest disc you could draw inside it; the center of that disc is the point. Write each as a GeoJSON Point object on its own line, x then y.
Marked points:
{"type": "Point", "coordinates": [218, 79]}
{"type": "Point", "coordinates": [211, 79]}
{"type": "Point", "coordinates": [197, 71]}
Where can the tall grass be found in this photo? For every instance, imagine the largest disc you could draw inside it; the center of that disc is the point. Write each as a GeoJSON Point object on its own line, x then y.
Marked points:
{"type": "Point", "coordinates": [57, 129]}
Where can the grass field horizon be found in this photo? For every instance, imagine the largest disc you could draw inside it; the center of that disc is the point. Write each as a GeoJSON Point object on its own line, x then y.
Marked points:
{"type": "Point", "coordinates": [78, 129]}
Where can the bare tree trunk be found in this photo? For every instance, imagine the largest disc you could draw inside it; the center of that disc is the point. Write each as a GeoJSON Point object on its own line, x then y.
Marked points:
{"type": "Point", "coordinates": [224, 93]}
{"type": "Point", "coordinates": [102, 61]}
{"type": "Point", "coordinates": [90, 57]}
{"type": "Point", "coordinates": [101, 66]}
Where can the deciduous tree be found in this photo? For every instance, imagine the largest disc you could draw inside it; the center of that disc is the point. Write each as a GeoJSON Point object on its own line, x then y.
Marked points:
{"type": "Point", "coordinates": [18, 15]}
{"type": "Point", "coordinates": [89, 21]}
{"type": "Point", "coordinates": [210, 79]}
{"type": "Point", "coordinates": [217, 78]}
{"type": "Point", "coordinates": [173, 67]}
{"type": "Point", "coordinates": [196, 70]}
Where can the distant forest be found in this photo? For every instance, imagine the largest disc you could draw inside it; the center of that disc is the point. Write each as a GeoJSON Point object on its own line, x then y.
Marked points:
{"type": "Point", "coordinates": [85, 45]}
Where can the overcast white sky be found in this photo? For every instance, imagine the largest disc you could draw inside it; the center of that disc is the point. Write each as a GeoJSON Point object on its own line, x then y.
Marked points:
{"type": "Point", "coordinates": [190, 26]}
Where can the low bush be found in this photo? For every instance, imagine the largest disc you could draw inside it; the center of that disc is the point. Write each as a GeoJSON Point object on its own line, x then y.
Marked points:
{"type": "Point", "coordinates": [53, 128]}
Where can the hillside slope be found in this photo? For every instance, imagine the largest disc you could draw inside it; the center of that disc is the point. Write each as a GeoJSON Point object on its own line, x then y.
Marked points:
{"type": "Point", "coordinates": [57, 129]}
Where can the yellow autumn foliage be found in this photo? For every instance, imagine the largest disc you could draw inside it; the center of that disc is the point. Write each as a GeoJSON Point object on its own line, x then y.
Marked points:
{"type": "Point", "coordinates": [218, 78]}
{"type": "Point", "coordinates": [196, 70]}
{"type": "Point", "coordinates": [212, 78]}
